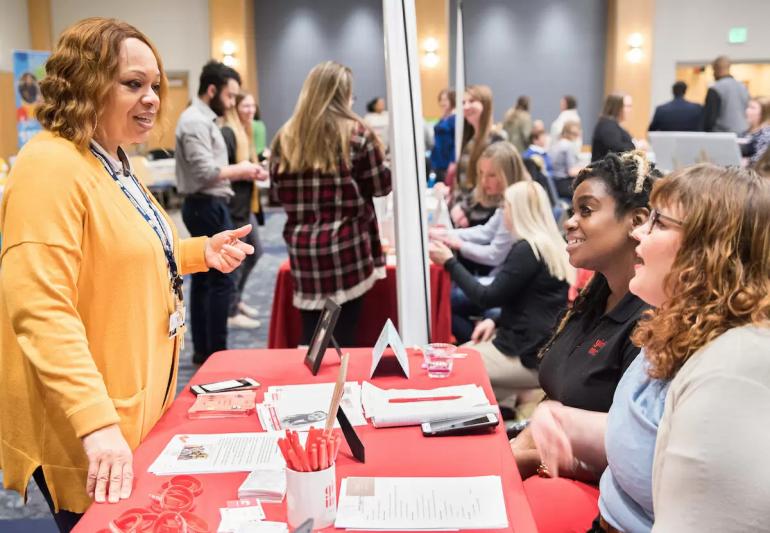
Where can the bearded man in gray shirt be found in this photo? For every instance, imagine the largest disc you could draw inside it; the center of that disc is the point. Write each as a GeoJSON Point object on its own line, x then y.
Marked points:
{"type": "Point", "coordinates": [203, 177]}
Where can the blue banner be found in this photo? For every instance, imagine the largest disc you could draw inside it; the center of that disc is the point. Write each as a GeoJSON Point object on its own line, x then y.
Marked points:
{"type": "Point", "coordinates": [28, 70]}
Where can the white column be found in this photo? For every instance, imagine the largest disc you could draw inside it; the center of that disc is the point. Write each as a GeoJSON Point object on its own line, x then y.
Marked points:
{"type": "Point", "coordinates": [459, 80]}
{"type": "Point", "coordinates": [407, 151]}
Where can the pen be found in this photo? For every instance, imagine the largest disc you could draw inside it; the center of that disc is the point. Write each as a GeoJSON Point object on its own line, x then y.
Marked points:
{"type": "Point", "coordinates": [314, 457]}
{"type": "Point", "coordinates": [323, 461]}
{"type": "Point", "coordinates": [330, 448]}
{"type": "Point", "coordinates": [423, 399]}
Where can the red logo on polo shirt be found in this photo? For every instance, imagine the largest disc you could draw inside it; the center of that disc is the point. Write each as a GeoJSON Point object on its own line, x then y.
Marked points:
{"type": "Point", "coordinates": [598, 345]}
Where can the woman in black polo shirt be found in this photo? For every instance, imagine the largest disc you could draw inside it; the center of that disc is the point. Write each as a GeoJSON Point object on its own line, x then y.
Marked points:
{"type": "Point", "coordinates": [591, 348]}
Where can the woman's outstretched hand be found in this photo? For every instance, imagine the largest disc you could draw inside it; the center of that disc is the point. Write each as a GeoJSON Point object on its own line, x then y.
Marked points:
{"type": "Point", "coordinates": [225, 251]}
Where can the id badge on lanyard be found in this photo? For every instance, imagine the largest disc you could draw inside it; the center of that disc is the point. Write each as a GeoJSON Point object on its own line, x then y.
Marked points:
{"type": "Point", "coordinates": [177, 318]}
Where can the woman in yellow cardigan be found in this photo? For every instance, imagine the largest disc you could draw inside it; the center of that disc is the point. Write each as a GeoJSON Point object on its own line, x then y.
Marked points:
{"type": "Point", "coordinates": [91, 317]}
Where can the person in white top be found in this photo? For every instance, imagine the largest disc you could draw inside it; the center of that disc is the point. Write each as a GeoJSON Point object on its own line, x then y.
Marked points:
{"type": "Point", "coordinates": [568, 107]}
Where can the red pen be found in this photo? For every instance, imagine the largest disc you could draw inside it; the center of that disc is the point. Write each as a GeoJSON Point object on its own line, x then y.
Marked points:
{"type": "Point", "coordinates": [313, 457]}
{"type": "Point", "coordinates": [423, 399]}
{"type": "Point", "coordinates": [337, 443]}
{"type": "Point", "coordinates": [323, 461]}
{"type": "Point", "coordinates": [294, 462]}
{"type": "Point", "coordinates": [330, 448]}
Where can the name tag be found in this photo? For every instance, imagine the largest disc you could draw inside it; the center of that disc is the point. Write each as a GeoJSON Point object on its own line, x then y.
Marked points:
{"type": "Point", "coordinates": [176, 322]}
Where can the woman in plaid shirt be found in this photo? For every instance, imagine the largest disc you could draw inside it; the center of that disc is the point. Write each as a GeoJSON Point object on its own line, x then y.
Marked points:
{"type": "Point", "coordinates": [326, 166]}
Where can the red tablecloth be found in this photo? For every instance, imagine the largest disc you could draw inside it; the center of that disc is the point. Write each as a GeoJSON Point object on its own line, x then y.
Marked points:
{"type": "Point", "coordinates": [379, 304]}
{"type": "Point", "coordinates": [389, 452]}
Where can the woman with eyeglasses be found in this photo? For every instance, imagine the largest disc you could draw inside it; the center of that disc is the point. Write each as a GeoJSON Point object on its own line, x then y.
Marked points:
{"type": "Point", "coordinates": [589, 351]}
{"type": "Point", "coordinates": [684, 446]}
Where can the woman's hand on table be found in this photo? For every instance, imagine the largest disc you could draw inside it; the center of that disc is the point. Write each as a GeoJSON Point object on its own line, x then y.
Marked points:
{"type": "Point", "coordinates": [225, 251]}
{"type": "Point", "coordinates": [110, 465]}
{"type": "Point", "coordinates": [484, 331]}
{"type": "Point", "coordinates": [439, 253]}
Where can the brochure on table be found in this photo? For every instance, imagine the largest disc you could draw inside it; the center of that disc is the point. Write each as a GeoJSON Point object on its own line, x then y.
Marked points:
{"type": "Point", "coordinates": [218, 453]}
{"type": "Point", "coordinates": [421, 503]}
{"type": "Point", "coordinates": [299, 407]}
{"type": "Point", "coordinates": [389, 337]}
{"type": "Point", "coordinates": [409, 407]}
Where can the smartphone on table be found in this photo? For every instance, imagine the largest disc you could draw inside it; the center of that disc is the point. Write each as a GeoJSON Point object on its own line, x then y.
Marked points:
{"type": "Point", "coordinates": [228, 385]}
{"type": "Point", "coordinates": [460, 426]}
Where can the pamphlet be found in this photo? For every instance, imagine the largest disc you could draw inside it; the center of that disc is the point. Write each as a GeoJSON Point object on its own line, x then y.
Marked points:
{"type": "Point", "coordinates": [218, 453]}
{"type": "Point", "coordinates": [223, 405]}
{"type": "Point", "coordinates": [421, 503]}
{"type": "Point", "coordinates": [298, 407]}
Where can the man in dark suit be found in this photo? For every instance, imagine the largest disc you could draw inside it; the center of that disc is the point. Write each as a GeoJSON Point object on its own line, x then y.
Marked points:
{"type": "Point", "coordinates": [678, 114]}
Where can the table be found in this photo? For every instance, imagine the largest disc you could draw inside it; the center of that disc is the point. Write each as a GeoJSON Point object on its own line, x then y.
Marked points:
{"type": "Point", "coordinates": [380, 303]}
{"type": "Point", "coordinates": [389, 451]}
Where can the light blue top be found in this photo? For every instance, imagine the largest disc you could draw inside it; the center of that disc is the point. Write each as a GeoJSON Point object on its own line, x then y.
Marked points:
{"type": "Point", "coordinates": [625, 488]}
{"type": "Point", "coordinates": [487, 244]}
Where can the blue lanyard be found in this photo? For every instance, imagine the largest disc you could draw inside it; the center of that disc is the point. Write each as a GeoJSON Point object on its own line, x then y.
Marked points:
{"type": "Point", "coordinates": [168, 249]}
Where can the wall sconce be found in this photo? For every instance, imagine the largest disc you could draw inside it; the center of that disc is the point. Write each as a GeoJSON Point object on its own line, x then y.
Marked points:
{"type": "Point", "coordinates": [430, 59]}
{"type": "Point", "coordinates": [635, 53]}
{"type": "Point", "coordinates": [228, 53]}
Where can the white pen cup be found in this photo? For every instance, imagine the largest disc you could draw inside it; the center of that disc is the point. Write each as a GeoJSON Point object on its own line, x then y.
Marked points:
{"type": "Point", "coordinates": [311, 495]}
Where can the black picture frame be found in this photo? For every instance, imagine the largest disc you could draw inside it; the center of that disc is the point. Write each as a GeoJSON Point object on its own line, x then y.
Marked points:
{"type": "Point", "coordinates": [322, 335]}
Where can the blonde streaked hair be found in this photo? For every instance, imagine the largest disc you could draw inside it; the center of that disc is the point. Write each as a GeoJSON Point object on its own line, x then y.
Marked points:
{"type": "Point", "coordinates": [318, 132]}
{"type": "Point", "coordinates": [533, 221]}
{"type": "Point", "coordinates": [506, 159]}
{"type": "Point", "coordinates": [243, 141]}
{"type": "Point", "coordinates": [720, 277]}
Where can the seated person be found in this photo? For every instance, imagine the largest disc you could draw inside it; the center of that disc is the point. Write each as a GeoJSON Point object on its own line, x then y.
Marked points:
{"type": "Point", "coordinates": [684, 446]}
{"type": "Point", "coordinates": [478, 133]}
{"type": "Point", "coordinates": [582, 363]}
{"type": "Point", "coordinates": [531, 288]}
{"type": "Point", "coordinates": [538, 141]}
{"type": "Point", "coordinates": [482, 249]}
{"type": "Point", "coordinates": [564, 156]}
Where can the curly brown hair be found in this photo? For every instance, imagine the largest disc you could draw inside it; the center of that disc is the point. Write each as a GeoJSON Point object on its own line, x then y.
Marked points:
{"type": "Point", "coordinates": [720, 278]}
{"type": "Point", "coordinates": [80, 74]}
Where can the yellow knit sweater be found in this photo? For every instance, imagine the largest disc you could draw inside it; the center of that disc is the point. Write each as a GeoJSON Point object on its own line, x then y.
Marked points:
{"type": "Point", "coordinates": [84, 310]}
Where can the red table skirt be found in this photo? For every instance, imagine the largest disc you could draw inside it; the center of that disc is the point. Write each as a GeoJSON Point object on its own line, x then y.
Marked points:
{"type": "Point", "coordinates": [379, 304]}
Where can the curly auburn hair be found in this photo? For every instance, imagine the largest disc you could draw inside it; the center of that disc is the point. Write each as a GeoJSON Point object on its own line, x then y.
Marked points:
{"type": "Point", "coordinates": [720, 278]}
{"type": "Point", "coordinates": [80, 75]}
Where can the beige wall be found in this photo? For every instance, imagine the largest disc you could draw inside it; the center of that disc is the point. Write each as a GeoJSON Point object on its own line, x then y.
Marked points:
{"type": "Point", "coordinates": [178, 28]}
{"type": "Point", "coordinates": [624, 18]}
{"type": "Point", "coordinates": [433, 21]}
{"type": "Point", "coordinates": [233, 20]}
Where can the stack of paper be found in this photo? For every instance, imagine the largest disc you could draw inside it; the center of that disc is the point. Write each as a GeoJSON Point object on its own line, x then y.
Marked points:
{"type": "Point", "coordinates": [370, 503]}
{"type": "Point", "coordinates": [299, 407]}
{"type": "Point", "coordinates": [233, 517]}
{"type": "Point", "coordinates": [218, 453]}
{"type": "Point", "coordinates": [266, 483]}
{"type": "Point", "coordinates": [410, 407]}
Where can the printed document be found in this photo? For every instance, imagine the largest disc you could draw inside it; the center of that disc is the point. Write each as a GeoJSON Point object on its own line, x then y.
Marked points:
{"type": "Point", "coordinates": [218, 453]}
{"type": "Point", "coordinates": [421, 503]}
{"type": "Point", "coordinates": [411, 407]}
{"type": "Point", "coordinates": [298, 407]}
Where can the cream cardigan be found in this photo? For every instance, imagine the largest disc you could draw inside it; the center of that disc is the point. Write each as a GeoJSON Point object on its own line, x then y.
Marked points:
{"type": "Point", "coordinates": [711, 470]}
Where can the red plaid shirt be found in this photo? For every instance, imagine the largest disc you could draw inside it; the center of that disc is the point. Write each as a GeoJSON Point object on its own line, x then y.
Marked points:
{"type": "Point", "coordinates": [331, 231]}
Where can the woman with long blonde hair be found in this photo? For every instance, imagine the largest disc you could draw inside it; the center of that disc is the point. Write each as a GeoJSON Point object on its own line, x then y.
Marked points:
{"type": "Point", "coordinates": [684, 446]}
{"type": "Point", "coordinates": [326, 165]}
{"type": "Point", "coordinates": [483, 248]}
{"type": "Point", "coordinates": [530, 288]}
{"type": "Point", "coordinates": [236, 130]}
